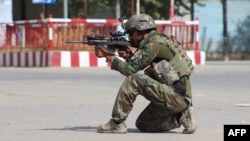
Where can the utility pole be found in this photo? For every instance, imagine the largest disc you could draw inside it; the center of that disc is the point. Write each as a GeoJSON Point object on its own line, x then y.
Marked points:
{"type": "Point", "coordinates": [118, 9]}
{"type": "Point", "coordinates": [85, 8]}
{"type": "Point", "coordinates": [192, 10]}
{"type": "Point", "coordinates": [65, 9]}
{"type": "Point", "coordinates": [132, 7]}
{"type": "Point", "coordinates": [225, 36]}
{"type": "Point", "coordinates": [171, 16]}
{"type": "Point", "coordinates": [137, 6]}
{"type": "Point", "coordinates": [23, 9]}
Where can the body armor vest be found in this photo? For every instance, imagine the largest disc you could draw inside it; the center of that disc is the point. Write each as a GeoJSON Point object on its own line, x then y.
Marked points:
{"type": "Point", "coordinates": [180, 62]}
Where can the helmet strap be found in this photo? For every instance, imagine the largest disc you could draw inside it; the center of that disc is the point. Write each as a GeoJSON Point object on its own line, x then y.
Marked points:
{"type": "Point", "coordinates": [142, 35]}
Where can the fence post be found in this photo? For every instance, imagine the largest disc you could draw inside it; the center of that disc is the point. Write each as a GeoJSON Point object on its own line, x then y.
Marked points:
{"type": "Point", "coordinates": [197, 44]}
{"type": "Point", "coordinates": [171, 17]}
{"type": "Point", "coordinates": [50, 32]}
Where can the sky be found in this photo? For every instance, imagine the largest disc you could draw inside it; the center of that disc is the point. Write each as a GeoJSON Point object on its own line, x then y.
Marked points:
{"type": "Point", "coordinates": [211, 21]}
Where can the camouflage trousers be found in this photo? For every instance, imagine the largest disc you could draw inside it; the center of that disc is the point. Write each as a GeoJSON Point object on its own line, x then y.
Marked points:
{"type": "Point", "coordinates": [160, 115]}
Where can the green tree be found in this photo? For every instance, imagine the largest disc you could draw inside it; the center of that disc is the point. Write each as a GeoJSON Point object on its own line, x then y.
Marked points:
{"type": "Point", "coordinates": [158, 9]}
{"type": "Point", "coordinates": [155, 8]}
{"type": "Point", "coordinates": [76, 7]}
{"type": "Point", "coordinates": [161, 8]}
{"type": "Point", "coordinates": [184, 7]}
{"type": "Point", "coordinates": [240, 42]}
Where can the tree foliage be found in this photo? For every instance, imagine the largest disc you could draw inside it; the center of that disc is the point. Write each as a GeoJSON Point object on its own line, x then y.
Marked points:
{"type": "Point", "coordinates": [158, 9]}
{"type": "Point", "coordinates": [240, 42]}
{"type": "Point", "coordinates": [183, 7]}
{"type": "Point", "coordinates": [76, 8]}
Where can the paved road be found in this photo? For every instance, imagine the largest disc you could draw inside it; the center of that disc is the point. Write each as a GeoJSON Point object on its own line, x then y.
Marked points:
{"type": "Point", "coordinates": [67, 104]}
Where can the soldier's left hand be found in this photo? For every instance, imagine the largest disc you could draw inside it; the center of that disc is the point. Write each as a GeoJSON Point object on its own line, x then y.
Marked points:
{"type": "Point", "coordinates": [98, 52]}
{"type": "Point", "coordinates": [102, 51]}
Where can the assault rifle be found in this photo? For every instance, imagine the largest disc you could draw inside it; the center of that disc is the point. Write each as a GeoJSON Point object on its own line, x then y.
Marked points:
{"type": "Point", "coordinates": [116, 42]}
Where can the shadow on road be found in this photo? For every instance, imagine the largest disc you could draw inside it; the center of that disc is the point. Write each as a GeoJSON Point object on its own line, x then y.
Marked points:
{"type": "Point", "coordinates": [77, 128]}
{"type": "Point", "coordinates": [93, 129]}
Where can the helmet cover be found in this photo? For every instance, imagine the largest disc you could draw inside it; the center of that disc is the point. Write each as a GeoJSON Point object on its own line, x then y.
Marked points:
{"type": "Point", "coordinates": [139, 22]}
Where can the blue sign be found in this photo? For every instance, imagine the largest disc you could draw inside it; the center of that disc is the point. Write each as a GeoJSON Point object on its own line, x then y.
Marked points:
{"type": "Point", "coordinates": [43, 1]}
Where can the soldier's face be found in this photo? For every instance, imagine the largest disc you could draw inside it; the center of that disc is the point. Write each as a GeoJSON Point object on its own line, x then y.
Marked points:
{"type": "Point", "coordinates": [135, 38]}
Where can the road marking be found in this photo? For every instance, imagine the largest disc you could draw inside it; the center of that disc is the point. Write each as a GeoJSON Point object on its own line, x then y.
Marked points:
{"type": "Point", "coordinates": [242, 105]}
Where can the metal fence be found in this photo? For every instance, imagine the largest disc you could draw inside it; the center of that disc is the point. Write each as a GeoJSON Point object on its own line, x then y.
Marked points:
{"type": "Point", "coordinates": [52, 33]}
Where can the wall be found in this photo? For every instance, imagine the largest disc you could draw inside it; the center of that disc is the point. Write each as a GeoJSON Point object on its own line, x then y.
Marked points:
{"type": "Point", "coordinates": [6, 11]}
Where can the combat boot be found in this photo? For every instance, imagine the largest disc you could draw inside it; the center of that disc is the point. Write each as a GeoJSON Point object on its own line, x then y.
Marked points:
{"type": "Point", "coordinates": [112, 127]}
{"type": "Point", "coordinates": [188, 120]}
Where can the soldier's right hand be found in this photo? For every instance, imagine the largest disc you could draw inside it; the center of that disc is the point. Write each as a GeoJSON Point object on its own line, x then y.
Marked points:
{"type": "Point", "coordinates": [125, 53]}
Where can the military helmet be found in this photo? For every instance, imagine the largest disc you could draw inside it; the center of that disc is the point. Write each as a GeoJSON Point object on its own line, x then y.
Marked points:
{"type": "Point", "coordinates": [139, 22]}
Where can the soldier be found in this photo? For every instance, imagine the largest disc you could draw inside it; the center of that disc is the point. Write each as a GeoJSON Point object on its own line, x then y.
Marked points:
{"type": "Point", "coordinates": [165, 81]}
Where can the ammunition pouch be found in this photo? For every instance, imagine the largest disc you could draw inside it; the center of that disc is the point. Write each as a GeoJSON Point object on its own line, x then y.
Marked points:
{"type": "Point", "coordinates": [165, 73]}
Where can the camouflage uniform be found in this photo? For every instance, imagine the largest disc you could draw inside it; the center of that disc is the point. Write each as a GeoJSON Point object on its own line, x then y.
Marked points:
{"type": "Point", "coordinates": [165, 102]}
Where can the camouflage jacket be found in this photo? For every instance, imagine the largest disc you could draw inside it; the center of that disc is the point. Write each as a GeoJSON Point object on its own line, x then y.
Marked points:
{"type": "Point", "coordinates": [153, 49]}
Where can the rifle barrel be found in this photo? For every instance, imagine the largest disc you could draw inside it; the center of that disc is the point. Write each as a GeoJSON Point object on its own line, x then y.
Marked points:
{"type": "Point", "coordinates": [83, 42]}
{"type": "Point", "coordinates": [102, 42]}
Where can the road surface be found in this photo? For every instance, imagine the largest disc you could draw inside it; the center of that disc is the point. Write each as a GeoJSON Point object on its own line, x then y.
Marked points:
{"type": "Point", "coordinates": [67, 104]}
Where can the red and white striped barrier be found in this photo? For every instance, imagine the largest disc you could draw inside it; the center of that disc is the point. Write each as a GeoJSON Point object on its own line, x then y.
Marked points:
{"type": "Point", "coordinates": [76, 59]}
{"type": "Point", "coordinates": [88, 59]}
{"type": "Point", "coordinates": [197, 57]}
{"type": "Point", "coordinates": [24, 59]}
{"type": "Point", "coordinates": [68, 59]}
